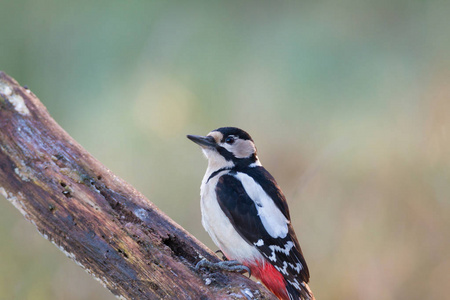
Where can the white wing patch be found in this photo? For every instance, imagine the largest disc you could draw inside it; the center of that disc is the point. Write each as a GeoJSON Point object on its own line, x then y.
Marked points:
{"type": "Point", "coordinates": [298, 267]}
{"type": "Point", "coordinates": [295, 284]}
{"type": "Point", "coordinates": [287, 248]}
{"type": "Point", "coordinates": [272, 218]}
{"type": "Point", "coordinates": [283, 269]}
{"type": "Point", "coordinates": [259, 243]}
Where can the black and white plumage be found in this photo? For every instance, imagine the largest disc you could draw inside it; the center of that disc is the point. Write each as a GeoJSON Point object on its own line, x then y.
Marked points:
{"type": "Point", "coordinates": [247, 216]}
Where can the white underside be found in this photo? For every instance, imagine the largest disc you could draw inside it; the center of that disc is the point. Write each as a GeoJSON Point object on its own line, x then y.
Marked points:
{"type": "Point", "coordinates": [220, 228]}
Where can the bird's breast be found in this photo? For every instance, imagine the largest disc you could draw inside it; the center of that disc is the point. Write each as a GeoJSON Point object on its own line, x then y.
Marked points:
{"type": "Point", "coordinates": [219, 227]}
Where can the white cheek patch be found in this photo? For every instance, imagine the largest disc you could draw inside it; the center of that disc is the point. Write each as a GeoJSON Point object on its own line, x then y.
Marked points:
{"type": "Point", "coordinates": [241, 148]}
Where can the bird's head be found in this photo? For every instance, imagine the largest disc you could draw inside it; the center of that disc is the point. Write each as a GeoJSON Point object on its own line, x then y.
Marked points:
{"type": "Point", "coordinates": [227, 147]}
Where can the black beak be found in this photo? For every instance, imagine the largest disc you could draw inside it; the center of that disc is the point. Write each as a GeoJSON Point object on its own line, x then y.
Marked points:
{"type": "Point", "coordinates": [203, 141]}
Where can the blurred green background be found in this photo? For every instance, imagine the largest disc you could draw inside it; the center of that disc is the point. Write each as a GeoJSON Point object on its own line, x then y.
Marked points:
{"type": "Point", "coordinates": [348, 102]}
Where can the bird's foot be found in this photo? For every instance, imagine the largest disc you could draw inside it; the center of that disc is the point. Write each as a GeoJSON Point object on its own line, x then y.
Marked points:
{"type": "Point", "coordinates": [229, 265]}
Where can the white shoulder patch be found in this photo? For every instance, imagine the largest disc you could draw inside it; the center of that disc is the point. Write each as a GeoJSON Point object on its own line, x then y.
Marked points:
{"type": "Point", "coordinates": [272, 218]}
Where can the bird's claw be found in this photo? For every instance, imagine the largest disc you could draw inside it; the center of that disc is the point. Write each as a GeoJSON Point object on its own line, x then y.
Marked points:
{"type": "Point", "coordinates": [229, 265]}
{"type": "Point", "coordinates": [223, 255]}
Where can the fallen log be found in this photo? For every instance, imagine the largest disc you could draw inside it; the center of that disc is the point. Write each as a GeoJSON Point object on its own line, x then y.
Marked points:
{"type": "Point", "coordinates": [97, 219]}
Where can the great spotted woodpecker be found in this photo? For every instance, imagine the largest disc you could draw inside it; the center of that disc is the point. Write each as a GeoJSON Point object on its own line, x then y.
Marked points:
{"type": "Point", "coordinates": [247, 216]}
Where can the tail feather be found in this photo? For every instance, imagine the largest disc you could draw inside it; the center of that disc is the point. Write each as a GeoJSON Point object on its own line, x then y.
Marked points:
{"type": "Point", "coordinates": [303, 292]}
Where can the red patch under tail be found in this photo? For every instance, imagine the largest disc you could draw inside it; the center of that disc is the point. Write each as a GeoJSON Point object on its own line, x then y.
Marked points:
{"type": "Point", "coordinates": [270, 277]}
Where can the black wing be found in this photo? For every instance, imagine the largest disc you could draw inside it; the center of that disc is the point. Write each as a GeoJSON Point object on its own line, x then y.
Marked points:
{"type": "Point", "coordinates": [243, 214]}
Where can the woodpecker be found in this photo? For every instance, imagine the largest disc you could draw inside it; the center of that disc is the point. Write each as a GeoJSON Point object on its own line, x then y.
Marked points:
{"type": "Point", "coordinates": [247, 216]}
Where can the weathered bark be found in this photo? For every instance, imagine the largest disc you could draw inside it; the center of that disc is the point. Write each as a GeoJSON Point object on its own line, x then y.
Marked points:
{"type": "Point", "coordinates": [96, 218]}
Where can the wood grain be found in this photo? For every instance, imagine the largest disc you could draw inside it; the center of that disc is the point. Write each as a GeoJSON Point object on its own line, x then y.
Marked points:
{"type": "Point", "coordinates": [96, 218]}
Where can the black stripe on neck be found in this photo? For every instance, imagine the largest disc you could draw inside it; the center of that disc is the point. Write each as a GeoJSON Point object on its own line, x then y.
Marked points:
{"type": "Point", "coordinates": [217, 172]}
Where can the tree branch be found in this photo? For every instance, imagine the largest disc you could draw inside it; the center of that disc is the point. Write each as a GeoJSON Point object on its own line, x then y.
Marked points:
{"type": "Point", "coordinates": [94, 217]}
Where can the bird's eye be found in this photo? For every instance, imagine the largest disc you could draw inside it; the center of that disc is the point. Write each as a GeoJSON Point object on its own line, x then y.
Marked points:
{"type": "Point", "coordinates": [229, 140]}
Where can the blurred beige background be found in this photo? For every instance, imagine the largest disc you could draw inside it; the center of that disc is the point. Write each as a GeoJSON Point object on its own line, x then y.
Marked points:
{"type": "Point", "coordinates": [349, 105]}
